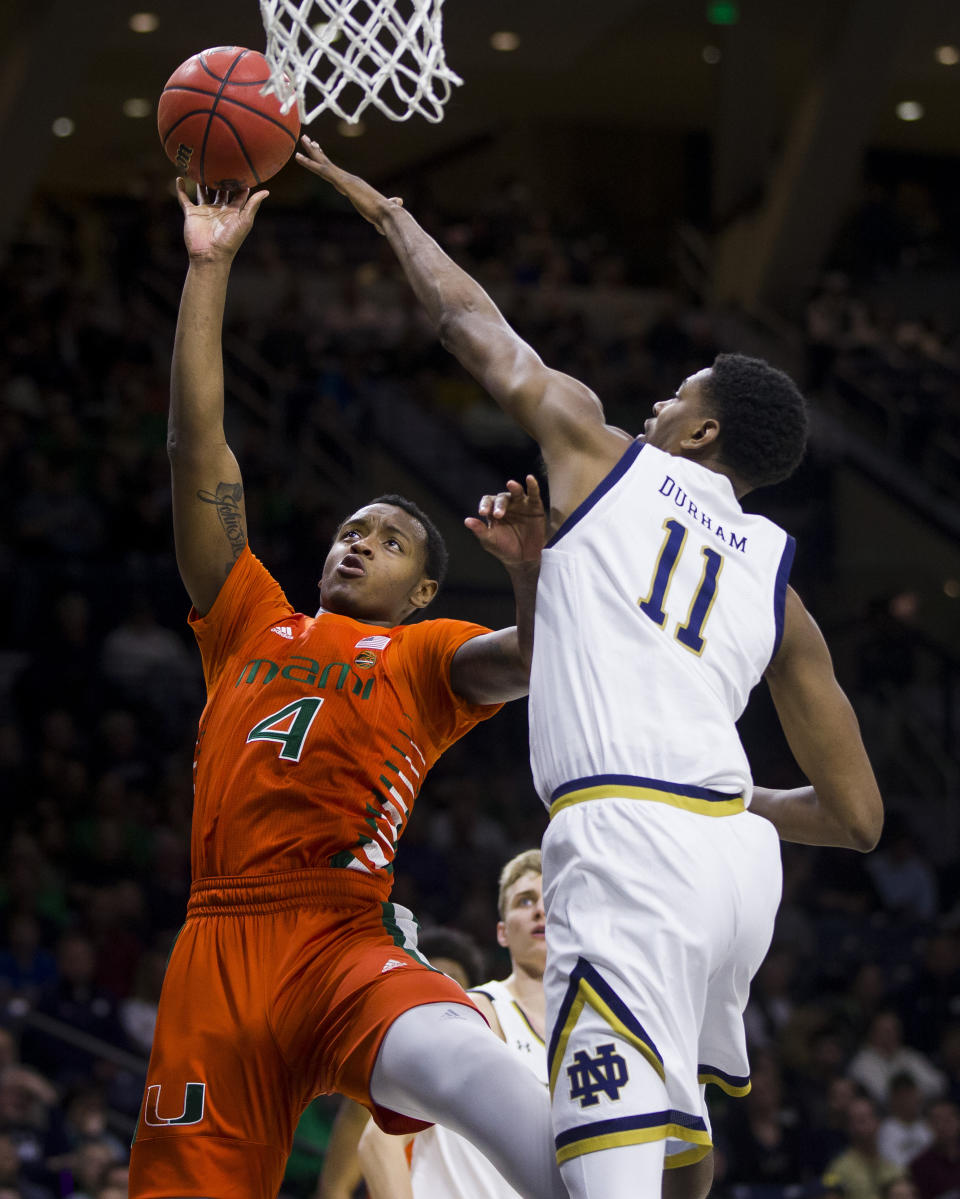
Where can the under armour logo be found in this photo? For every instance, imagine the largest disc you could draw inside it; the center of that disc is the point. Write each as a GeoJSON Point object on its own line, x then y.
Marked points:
{"type": "Point", "coordinates": [606, 1071]}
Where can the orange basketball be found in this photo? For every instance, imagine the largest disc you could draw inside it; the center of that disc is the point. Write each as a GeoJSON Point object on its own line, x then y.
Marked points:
{"type": "Point", "coordinates": [215, 125]}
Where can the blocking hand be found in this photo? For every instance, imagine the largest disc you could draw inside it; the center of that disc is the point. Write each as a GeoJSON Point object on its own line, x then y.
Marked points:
{"type": "Point", "coordinates": [366, 199]}
{"type": "Point", "coordinates": [512, 524]}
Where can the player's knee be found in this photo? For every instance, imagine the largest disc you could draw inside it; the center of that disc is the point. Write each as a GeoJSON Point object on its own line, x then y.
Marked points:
{"type": "Point", "coordinates": [421, 1044]}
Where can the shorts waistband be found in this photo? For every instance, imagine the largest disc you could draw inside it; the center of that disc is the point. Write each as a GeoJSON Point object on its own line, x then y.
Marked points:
{"type": "Point", "coordinates": [252, 893]}
{"type": "Point", "coordinates": [630, 786]}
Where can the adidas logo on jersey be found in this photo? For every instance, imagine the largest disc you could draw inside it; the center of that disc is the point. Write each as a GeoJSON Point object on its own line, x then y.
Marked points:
{"type": "Point", "coordinates": [392, 964]}
{"type": "Point", "coordinates": [283, 630]}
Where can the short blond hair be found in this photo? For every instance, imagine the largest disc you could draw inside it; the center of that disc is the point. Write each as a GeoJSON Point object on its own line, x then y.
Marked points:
{"type": "Point", "coordinates": [528, 862]}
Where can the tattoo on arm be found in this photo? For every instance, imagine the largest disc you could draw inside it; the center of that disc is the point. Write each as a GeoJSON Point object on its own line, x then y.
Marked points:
{"type": "Point", "coordinates": [226, 500]}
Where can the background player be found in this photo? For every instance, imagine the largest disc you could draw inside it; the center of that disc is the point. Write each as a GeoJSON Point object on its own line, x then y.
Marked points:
{"type": "Point", "coordinates": [444, 1165]}
{"type": "Point", "coordinates": [644, 660]}
{"type": "Point", "coordinates": [293, 974]}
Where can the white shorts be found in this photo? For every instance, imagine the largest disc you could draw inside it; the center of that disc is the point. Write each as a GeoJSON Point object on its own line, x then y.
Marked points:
{"type": "Point", "coordinates": [657, 920]}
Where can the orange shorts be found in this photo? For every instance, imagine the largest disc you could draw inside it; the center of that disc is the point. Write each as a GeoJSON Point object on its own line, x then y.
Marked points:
{"type": "Point", "coordinates": [279, 988]}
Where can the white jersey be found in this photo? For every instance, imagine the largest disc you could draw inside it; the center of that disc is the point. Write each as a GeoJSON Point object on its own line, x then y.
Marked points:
{"type": "Point", "coordinates": [659, 606]}
{"type": "Point", "coordinates": [445, 1165]}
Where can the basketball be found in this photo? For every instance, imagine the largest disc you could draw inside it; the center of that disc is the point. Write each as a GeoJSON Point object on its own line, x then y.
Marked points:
{"type": "Point", "coordinates": [215, 125]}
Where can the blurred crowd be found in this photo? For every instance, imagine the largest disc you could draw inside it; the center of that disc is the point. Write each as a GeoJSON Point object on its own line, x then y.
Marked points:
{"type": "Point", "coordinates": [883, 327]}
{"type": "Point", "coordinates": [854, 1024]}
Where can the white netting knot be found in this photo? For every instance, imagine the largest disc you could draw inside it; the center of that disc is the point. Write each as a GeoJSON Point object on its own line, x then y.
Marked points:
{"type": "Point", "coordinates": [353, 53]}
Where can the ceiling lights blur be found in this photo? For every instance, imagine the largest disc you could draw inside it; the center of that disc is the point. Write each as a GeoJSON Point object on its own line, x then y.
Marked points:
{"type": "Point", "coordinates": [144, 22]}
{"type": "Point", "coordinates": [345, 129]}
{"type": "Point", "coordinates": [723, 12]}
{"type": "Point", "coordinates": [137, 107]}
{"type": "Point", "coordinates": [910, 110]}
{"type": "Point", "coordinates": [505, 40]}
{"type": "Point", "coordinates": [62, 127]}
{"type": "Point", "coordinates": [947, 56]}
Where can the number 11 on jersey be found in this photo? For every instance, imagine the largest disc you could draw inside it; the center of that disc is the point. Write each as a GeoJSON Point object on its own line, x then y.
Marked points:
{"type": "Point", "coordinates": [690, 634]}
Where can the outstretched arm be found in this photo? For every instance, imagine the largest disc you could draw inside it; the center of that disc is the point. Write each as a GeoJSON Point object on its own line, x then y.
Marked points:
{"type": "Point", "coordinates": [560, 413]}
{"type": "Point", "coordinates": [510, 525]}
{"type": "Point", "coordinates": [843, 808]}
{"type": "Point", "coordinates": [209, 516]}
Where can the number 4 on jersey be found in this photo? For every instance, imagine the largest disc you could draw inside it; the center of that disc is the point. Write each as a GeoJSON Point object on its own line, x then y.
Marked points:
{"type": "Point", "coordinates": [288, 727]}
{"type": "Point", "coordinates": [690, 635]}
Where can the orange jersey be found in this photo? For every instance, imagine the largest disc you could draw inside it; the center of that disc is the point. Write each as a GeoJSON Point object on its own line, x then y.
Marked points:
{"type": "Point", "coordinates": [317, 733]}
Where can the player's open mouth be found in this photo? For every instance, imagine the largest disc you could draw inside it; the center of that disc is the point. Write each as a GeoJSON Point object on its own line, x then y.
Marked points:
{"type": "Point", "coordinates": [351, 567]}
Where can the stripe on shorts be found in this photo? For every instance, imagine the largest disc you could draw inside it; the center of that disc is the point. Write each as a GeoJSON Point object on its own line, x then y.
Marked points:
{"type": "Point", "coordinates": [636, 1130]}
{"type": "Point", "coordinates": [630, 786]}
{"type": "Point", "coordinates": [734, 1084]}
{"type": "Point", "coordinates": [401, 926]}
{"type": "Point", "coordinates": [587, 987]}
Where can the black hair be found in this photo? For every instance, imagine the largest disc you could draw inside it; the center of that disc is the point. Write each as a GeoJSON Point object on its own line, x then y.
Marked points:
{"type": "Point", "coordinates": [451, 943]}
{"type": "Point", "coordinates": [436, 548]}
{"type": "Point", "coordinates": [763, 418]}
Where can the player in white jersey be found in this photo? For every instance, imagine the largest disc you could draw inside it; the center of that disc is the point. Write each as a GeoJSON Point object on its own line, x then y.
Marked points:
{"type": "Point", "coordinates": [444, 1165]}
{"type": "Point", "coordinates": [660, 605]}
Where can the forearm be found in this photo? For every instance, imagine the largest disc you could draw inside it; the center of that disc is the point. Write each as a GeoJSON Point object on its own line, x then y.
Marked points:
{"type": "Point", "coordinates": [196, 379]}
{"type": "Point", "coordinates": [444, 289]}
{"type": "Point", "coordinates": [383, 1161]}
{"type": "Point", "coordinates": [799, 816]}
{"type": "Point", "coordinates": [524, 578]}
{"type": "Point", "coordinates": [469, 324]}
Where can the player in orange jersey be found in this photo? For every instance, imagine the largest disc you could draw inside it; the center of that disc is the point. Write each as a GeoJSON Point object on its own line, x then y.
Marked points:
{"type": "Point", "coordinates": [294, 974]}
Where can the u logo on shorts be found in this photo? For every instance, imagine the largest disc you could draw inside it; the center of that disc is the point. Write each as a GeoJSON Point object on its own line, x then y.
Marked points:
{"type": "Point", "coordinates": [193, 1104]}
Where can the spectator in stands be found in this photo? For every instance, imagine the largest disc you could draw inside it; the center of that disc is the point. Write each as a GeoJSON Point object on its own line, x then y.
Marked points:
{"type": "Point", "coordinates": [86, 1120]}
{"type": "Point", "coordinates": [931, 998]}
{"type": "Point", "coordinates": [29, 1119]}
{"type": "Point", "coordinates": [149, 665]}
{"type": "Point", "coordinates": [904, 879]}
{"type": "Point", "coordinates": [762, 1134]}
{"type": "Point", "coordinates": [12, 1176]}
{"type": "Point", "coordinates": [824, 1129]}
{"type": "Point", "coordinates": [885, 1055]}
{"type": "Point", "coordinates": [904, 1133]}
{"type": "Point", "coordinates": [772, 999]}
{"type": "Point", "coordinates": [76, 1002]}
{"type": "Point", "coordinates": [860, 1170]}
{"type": "Point", "coordinates": [948, 1057]}
{"type": "Point", "coordinates": [936, 1171]}
{"type": "Point", "coordinates": [138, 1011]}
{"type": "Point", "coordinates": [86, 1166]}
{"type": "Point", "coordinates": [900, 1188]}
{"type": "Point", "coordinates": [26, 967]}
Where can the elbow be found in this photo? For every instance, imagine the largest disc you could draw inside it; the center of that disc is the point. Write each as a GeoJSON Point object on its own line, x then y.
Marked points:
{"type": "Point", "coordinates": [865, 834]}
{"type": "Point", "coordinates": [448, 328]}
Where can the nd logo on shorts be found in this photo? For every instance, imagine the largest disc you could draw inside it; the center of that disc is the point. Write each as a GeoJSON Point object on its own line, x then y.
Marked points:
{"type": "Point", "coordinates": [606, 1071]}
{"type": "Point", "coordinates": [190, 1113]}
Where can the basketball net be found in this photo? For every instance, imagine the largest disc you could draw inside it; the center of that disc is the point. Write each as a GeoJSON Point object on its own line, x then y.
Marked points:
{"type": "Point", "coordinates": [353, 53]}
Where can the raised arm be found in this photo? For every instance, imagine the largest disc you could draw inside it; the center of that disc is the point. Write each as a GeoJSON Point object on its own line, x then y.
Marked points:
{"type": "Point", "coordinates": [560, 413]}
{"type": "Point", "coordinates": [511, 526]}
{"type": "Point", "coordinates": [209, 516]}
{"type": "Point", "coordinates": [843, 808]}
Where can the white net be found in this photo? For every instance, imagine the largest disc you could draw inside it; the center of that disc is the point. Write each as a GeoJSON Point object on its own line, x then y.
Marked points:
{"type": "Point", "coordinates": [344, 55]}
